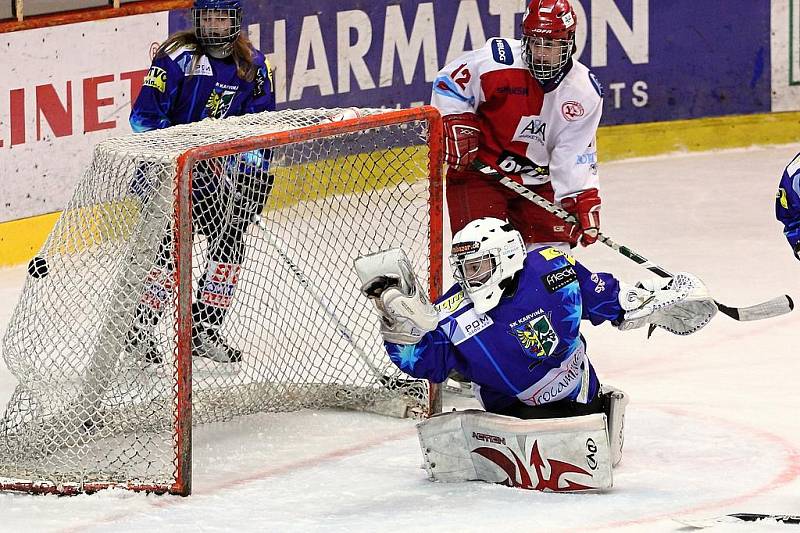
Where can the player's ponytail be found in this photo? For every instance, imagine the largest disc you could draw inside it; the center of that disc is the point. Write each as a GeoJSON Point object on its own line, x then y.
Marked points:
{"type": "Point", "coordinates": [243, 57]}
{"type": "Point", "coordinates": [176, 41]}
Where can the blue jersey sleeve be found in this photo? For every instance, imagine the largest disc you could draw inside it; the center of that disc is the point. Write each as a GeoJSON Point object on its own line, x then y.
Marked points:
{"type": "Point", "coordinates": [159, 90]}
{"type": "Point", "coordinates": [262, 98]}
{"type": "Point", "coordinates": [599, 294]}
{"type": "Point", "coordinates": [787, 203]}
{"type": "Point", "coordinates": [431, 358]}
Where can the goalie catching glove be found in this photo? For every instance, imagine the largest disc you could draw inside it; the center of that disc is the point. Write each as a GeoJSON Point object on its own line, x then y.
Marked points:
{"type": "Point", "coordinates": [680, 305]}
{"type": "Point", "coordinates": [388, 279]}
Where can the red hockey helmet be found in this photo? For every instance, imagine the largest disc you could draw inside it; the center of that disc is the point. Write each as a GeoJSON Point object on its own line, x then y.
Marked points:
{"type": "Point", "coordinates": [548, 37]}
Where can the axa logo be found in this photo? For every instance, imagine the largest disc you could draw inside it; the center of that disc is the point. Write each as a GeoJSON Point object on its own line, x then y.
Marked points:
{"type": "Point", "coordinates": [531, 129]}
{"type": "Point", "coordinates": [538, 474]}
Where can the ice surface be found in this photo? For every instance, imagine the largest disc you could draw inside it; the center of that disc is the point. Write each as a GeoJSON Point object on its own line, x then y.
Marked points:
{"type": "Point", "coordinates": [712, 426]}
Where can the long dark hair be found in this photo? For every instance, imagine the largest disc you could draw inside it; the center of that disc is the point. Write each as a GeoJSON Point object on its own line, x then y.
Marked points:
{"type": "Point", "coordinates": [242, 52]}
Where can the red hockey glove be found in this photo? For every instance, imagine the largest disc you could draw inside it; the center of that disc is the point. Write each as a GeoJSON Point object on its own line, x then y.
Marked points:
{"type": "Point", "coordinates": [586, 208]}
{"type": "Point", "coordinates": [461, 133]}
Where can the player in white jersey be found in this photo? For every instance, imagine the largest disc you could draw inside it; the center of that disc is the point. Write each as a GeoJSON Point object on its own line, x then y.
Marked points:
{"type": "Point", "coordinates": [528, 109]}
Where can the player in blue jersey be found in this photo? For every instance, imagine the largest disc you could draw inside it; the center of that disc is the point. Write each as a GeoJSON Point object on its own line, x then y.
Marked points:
{"type": "Point", "coordinates": [512, 322]}
{"type": "Point", "coordinates": [211, 71]}
{"type": "Point", "coordinates": [512, 325]}
{"type": "Point", "coordinates": [787, 204]}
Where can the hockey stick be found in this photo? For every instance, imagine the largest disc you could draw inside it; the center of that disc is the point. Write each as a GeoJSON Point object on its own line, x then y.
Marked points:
{"type": "Point", "coordinates": [737, 518]}
{"type": "Point", "coordinates": [775, 307]}
{"type": "Point", "coordinates": [333, 318]}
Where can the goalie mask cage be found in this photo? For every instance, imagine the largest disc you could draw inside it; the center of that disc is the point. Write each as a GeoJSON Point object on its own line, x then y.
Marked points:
{"type": "Point", "coordinates": [307, 192]}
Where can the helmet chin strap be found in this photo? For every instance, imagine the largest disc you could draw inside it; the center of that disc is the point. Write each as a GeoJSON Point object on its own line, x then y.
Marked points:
{"type": "Point", "coordinates": [219, 51]}
{"type": "Point", "coordinates": [509, 285]}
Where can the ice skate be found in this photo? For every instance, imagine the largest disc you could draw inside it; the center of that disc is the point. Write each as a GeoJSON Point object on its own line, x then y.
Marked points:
{"type": "Point", "coordinates": [141, 343]}
{"type": "Point", "coordinates": [207, 343]}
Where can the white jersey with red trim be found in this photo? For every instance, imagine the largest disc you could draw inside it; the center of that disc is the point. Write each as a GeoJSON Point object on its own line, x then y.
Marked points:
{"type": "Point", "coordinates": [537, 133]}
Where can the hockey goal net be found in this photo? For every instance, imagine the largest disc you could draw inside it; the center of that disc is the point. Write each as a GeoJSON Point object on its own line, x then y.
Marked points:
{"type": "Point", "coordinates": [205, 272]}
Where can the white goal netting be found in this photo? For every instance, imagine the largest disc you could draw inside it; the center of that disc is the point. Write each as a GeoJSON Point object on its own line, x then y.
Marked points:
{"type": "Point", "coordinates": [139, 306]}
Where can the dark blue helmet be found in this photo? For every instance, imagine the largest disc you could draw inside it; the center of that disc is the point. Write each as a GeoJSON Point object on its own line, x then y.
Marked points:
{"type": "Point", "coordinates": [217, 4]}
{"type": "Point", "coordinates": [217, 25]}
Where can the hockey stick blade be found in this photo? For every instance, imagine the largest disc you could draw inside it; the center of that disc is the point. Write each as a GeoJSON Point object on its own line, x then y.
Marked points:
{"type": "Point", "coordinates": [771, 308]}
{"type": "Point", "coordinates": [737, 518]}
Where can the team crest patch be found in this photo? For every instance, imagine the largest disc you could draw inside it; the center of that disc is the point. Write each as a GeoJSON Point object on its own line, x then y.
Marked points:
{"type": "Point", "coordinates": [537, 336]}
{"type": "Point", "coordinates": [219, 103]}
{"type": "Point", "coordinates": [572, 110]}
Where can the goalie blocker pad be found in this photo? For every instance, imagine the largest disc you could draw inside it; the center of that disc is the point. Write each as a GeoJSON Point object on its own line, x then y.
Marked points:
{"type": "Point", "coordinates": [554, 455]}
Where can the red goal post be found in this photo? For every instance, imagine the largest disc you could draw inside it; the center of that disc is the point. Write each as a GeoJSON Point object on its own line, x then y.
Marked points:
{"type": "Point", "coordinates": [337, 189]}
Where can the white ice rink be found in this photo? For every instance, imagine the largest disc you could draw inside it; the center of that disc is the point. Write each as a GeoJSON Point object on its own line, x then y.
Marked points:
{"type": "Point", "coordinates": [712, 426]}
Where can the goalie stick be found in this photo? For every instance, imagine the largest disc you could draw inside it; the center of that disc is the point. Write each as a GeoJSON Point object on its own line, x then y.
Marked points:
{"type": "Point", "coordinates": [738, 518]}
{"type": "Point", "coordinates": [777, 306]}
{"type": "Point", "coordinates": [324, 304]}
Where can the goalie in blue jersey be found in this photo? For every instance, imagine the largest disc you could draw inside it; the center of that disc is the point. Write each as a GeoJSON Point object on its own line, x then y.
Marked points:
{"type": "Point", "coordinates": [512, 322]}
{"type": "Point", "coordinates": [787, 204]}
{"type": "Point", "coordinates": [209, 72]}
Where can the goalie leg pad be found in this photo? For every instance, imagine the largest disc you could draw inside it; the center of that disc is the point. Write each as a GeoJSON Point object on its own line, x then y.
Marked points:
{"type": "Point", "coordinates": [615, 402]}
{"type": "Point", "coordinates": [554, 455]}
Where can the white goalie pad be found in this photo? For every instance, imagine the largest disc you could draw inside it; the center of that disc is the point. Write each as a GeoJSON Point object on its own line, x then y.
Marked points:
{"type": "Point", "coordinates": [616, 402]}
{"type": "Point", "coordinates": [388, 279]}
{"type": "Point", "coordinates": [554, 455]}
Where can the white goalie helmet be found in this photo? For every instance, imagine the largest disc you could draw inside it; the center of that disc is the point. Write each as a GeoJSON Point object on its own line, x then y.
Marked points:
{"type": "Point", "coordinates": [486, 252]}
